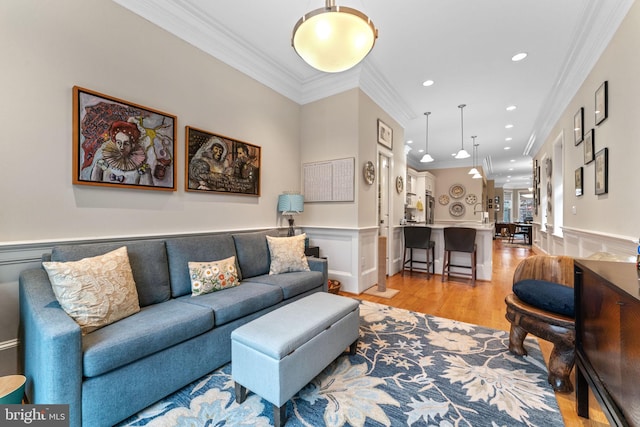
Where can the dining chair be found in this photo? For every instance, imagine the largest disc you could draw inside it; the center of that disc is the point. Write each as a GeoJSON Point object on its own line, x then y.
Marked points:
{"type": "Point", "coordinates": [459, 239]}
{"type": "Point", "coordinates": [514, 231]}
{"type": "Point", "coordinates": [416, 238]}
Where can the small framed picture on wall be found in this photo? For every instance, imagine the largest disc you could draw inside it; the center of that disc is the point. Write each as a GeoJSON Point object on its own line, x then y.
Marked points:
{"type": "Point", "coordinates": [602, 103]}
{"type": "Point", "coordinates": [602, 171]}
{"type": "Point", "coordinates": [385, 135]}
{"type": "Point", "coordinates": [578, 181]}
{"type": "Point", "coordinates": [588, 146]}
{"type": "Point", "coordinates": [578, 126]}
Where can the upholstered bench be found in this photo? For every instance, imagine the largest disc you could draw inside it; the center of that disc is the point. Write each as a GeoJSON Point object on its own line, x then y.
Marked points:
{"type": "Point", "coordinates": [276, 355]}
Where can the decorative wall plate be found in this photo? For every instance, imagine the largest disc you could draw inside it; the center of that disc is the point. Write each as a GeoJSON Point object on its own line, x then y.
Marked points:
{"type": "Point", "coordinates": [399, 184]}
{"type": "Point", "coordinates": [369, 172]}
{"type": "Point", "coordinates": [444, 199]}
{"type": "Point", "coordinates": [456, 209]}
{"type": "Point", "coordinates": [457, 190]}
{"type": "Point", "coordinates": [471, 199]}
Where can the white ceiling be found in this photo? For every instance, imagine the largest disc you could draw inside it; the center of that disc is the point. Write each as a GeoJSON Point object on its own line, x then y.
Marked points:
{"type": "Point", "coordinates": [465, 46]}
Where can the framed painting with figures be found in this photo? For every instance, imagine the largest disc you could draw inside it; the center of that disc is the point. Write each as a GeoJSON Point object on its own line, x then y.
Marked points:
{"type": "Point", "coordinates": [120, 144]}
{"type": "Point", "coordinates": [219, 164]}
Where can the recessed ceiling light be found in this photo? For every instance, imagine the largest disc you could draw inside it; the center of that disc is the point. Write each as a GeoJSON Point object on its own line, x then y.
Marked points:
{"type": "Point", "coordinates": [508, 139]}
{"type": "Point", "coordinates": [507, 148]}
{"type": "Point", "coordinates": [511, 107]}
{"type": "Point", "coordinates": [519, 56]}
{"type": "Point", "coordinates": [510, 169]}
{"type": "Point", "coordinates": [508, 126]}
{"type": "Point", "coordinates": [512, 160]}
{"type": "Point", "coordinates": [409, 142]}
{"type": "Point", "coordinates": [428, 83]}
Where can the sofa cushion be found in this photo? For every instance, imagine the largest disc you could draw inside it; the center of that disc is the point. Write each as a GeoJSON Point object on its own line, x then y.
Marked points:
{"type": "Point", "coordinates": [95, 291]}
{"type": "Point", "coordinates": [253, 252]}
{"type": "Point", "coordinates": [207, 277]}
{"type": "Point", "coordinates": [287, 254]}
{"type": "Point", "coordinates": [148, 262]}
{"type": "Point", "coordinates": [154, 328]}
{"type": "Point", "coordinates": [292, 284]}
{"type": "Point", "coordinates": [182, 250]}
{"type": "Point", "coordinates": [231, 304]}
{"type": "Point", "coordinates": [549, 296]}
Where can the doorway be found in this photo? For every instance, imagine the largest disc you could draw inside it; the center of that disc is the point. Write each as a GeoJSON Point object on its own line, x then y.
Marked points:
{"type": "Point", "coordinates": [384, 209]}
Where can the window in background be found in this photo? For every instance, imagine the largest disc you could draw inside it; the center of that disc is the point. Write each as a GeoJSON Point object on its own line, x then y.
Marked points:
{"type": "Point", "coordinates": [506, 206]}
{"type": "Point", "coordinates": [525, 206]}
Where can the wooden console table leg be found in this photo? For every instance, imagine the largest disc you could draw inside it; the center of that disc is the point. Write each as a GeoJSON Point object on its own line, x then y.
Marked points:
{"type": "Point", "coordinates": [582, 394]}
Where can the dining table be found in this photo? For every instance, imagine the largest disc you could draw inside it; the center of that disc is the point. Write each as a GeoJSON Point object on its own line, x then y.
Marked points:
{"type": "Point", "coordinates": [526, 229]}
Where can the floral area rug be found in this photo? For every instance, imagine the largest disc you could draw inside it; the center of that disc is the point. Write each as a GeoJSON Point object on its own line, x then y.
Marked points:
{"type": "Point", "coordinates": [410, 369]}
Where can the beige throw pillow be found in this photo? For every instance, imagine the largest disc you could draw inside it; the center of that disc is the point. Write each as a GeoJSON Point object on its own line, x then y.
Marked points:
{"type": "Point", "coordinates": [207, 277]}
{"type": "Point", "coordinates": [95, 291]}
{"type": "Point", "coordinates": [287, 254]}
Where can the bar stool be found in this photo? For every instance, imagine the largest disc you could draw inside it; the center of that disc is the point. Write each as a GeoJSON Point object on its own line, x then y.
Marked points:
{"type": "Point", "coordinates": [418, 238]}
{"type": "Point", "coordinates": [459, 239]}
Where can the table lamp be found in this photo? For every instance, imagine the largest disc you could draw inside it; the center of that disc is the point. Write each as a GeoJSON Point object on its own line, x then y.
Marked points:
{"type": "Point", "coordinates": [290, 204]}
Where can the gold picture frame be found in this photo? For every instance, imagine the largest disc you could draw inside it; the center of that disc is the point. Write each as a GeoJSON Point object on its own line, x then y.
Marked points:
{"type": "Point", "coordinates": [220, 164]}
{"type": "Point", "coordinates": [117, 143]}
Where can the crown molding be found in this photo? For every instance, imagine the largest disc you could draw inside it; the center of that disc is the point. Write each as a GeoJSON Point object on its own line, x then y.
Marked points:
{"type": "Point", "coordinates": [212, 37]}
{"type": "Point", "coordinates": [378, 88]}
{"type": "Point", "coordinates": [599, 23]}
{"type": "Point", "coordinates": [600, 20]}
{"type": "Point", "coordinates": [322, 85]}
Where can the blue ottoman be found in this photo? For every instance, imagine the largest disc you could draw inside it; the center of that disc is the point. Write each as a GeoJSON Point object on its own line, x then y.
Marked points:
{"type": "Point", "coordinates": [276, 355]}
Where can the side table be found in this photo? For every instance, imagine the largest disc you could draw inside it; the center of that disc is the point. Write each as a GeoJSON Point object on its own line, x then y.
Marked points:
{"type": "Point", "coordinates": [312, 251]}
{"type": "Point", "coordinates": [12, 389]}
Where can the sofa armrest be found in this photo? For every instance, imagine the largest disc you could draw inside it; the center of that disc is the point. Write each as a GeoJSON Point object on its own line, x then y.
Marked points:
{"type": "Point", "coordinates": [52, 345]}
{"type": "Point", "coordinates": [321, 265]}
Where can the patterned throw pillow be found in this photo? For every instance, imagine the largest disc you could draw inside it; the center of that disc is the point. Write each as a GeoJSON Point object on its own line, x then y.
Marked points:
{"type": "Point", "coordinates": [207, 277]}
{"type": "Point", "coordinates": [287, 254]}
{"type": "Point", "coordinates": [95, 291]}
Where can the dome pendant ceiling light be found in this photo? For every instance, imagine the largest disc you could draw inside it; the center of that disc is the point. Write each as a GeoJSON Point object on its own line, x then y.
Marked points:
{"type": "Point", "coordinates": [334, 38]}
{"type": "Point", "coordinates": [473, 169]}
{"type": "Point", "coordinates": [462, 154]}
{"type": "Point", "coordinates": [427, 157]}
{"type": "Point", "coordinates": [477, 175]}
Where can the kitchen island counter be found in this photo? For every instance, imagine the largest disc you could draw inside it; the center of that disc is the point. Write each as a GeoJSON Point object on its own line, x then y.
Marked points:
{"type": "Point", "coordinates": [484, 242]}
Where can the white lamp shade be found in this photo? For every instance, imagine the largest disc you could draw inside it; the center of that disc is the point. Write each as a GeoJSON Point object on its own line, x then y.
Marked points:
{"type": "Point", "coordinates": [334, 39]}
{"type": "Point", "coordinates": [477, 176]}
{"type": "Point", "coordinates": [290, 203]}
{"type": "Point", "coordinates": [473, 171]}
{"type": "Point", "coordinates": [462, 154]}
{"type": "Point", "coordinates": [426, 158]}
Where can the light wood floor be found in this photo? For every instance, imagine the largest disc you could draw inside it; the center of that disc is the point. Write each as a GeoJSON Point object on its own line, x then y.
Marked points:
{"type": "Point", "coordinates": [480, 305]}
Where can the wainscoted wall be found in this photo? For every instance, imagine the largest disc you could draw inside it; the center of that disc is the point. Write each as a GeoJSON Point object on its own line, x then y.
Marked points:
{"type": "Point", "coordinates": [583, 243]}
{"type": "Point", "coordinates": [351, 253]}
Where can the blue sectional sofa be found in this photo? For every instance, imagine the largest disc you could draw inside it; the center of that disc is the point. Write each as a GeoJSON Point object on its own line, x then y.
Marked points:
{"type": "Point", "coordinates": [114, 372]}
